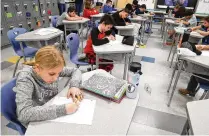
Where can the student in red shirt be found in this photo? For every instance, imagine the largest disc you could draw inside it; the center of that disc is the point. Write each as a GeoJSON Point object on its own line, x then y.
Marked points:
{"type": "Point", "coordinates": [100, 35]}
{"type": "Point", "coordinates": [89, 10]}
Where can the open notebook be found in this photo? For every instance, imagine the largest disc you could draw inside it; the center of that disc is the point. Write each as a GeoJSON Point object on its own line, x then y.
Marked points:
{"type": "Point", "coordinates": [46, 31]}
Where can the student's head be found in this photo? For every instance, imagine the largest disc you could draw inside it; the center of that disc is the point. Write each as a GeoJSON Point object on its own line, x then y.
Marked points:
{"type": "Point", "coordinates": [71, 12]}
{"type": "Point", "coordinates": [88, 4]}
{"type": "Point", "coordinates": [106, 23]}
{"type": "Point", "coordinates": [176, 8]}
{"type": "Point", "coordinates": [206, 21]}
{"type": "Point", "coordinates": [109, 2]}
{"type": "Point", "coordinates": [129, 7]}
{"type": "Point", "coordinates": [124, 13]}
{"type": "Point", "coordinates": [188, 14]}
{"type": "Point", "coordinates": [48, 63]}
{"type": "Point", "coordinates": [143, 7]}
{"type": "Point", "coordinates": [135, 4]}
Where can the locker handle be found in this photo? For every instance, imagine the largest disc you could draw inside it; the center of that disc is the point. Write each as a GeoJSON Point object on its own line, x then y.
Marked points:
{"type": "Point", "coordinates": [11, 27]}
{"type": "Point", "coordinates": [2, 31]}
{"type": "Point", "coordinates": [20, 25]}
{"type": "Point", "coordinates": [34, 4]}
{"type": "Point", "coordinates": [25, 5]}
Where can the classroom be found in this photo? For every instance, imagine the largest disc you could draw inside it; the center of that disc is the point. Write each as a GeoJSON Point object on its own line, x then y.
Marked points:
{"type": "Point", "coordinates": [104, 67]}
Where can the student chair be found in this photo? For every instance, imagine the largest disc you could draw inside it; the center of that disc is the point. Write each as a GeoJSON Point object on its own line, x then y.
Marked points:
{"type": "Point", "coordinates": [28, 51]}
{"type": "Point", "coordinates": [54, 20]}
{"type": "Point", "coordinates": [73, 45]}
{"type": "Point", "coordinates": [205, 87]}
{"type": "Point", "coordinates": [8, 106]}
{"type": "Point", "coordinates": [91, 24]}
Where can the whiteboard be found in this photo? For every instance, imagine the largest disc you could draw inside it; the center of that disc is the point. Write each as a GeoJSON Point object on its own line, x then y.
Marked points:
{"type": "Point", "coordinates": [149, 3]}
{"type": "Point", "coordinates": [203, 7]}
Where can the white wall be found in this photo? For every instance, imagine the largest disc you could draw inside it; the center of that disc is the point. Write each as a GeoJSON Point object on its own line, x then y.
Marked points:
{"type": "Point", "coordinates": [149, 3]}
{"type": "Point", "coordinates": [203, 6]}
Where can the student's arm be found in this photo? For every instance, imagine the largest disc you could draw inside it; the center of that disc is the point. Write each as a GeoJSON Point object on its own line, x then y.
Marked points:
{"type": "Point", "coordinates": [27, 110]}
{"type": "Point", "coordinates": [95, 40]}
{"type": "Point", "coordinates": [203, 32]}
{"type": "Point", "coordinates": [186, 23]}
{"type": "Point", "coordinates": [74, 74]}
{"type": "Point", "coordinates": [72, 18]}
{"type": "Point", "coordinates": [196, 27]}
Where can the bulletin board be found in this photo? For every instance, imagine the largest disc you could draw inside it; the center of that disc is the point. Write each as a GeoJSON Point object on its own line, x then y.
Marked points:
{"type": "Point", "coordinates": [149, 3]}
{"type": "Point", "coordinates": [203, 7]}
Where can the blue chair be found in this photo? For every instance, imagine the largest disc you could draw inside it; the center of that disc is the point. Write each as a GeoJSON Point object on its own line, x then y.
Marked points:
{"type": "Point", "coordinates": [73, 45]}
{"type": "Point", "coordinates": [205, 87]}
{"type": "Point", "coordinates": [54, 20]}
{"type": "Point", "coordinates": [8, 106]}
{"type": "Point", "coordinates": [28, 51]}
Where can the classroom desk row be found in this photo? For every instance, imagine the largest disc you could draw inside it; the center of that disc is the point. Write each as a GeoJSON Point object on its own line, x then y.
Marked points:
{"type": "Point", "coordinates": [110, 118]}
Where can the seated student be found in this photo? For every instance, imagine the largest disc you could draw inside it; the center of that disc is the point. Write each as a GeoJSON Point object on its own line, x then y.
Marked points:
{"type": "Point", "coordinates": [135, 6]}
{"type": "Point", "coordinates": [141, 9]}
{"type": "Point", "coordinates": [99, 37]}
{"type": "Point", "coordinates": [193, 84]}
{"type": "Point", "coordinates": [203, 30]}
{"type": "Point", "coordinates": [189, 19]}
{"type": "Point", "coordinates": [119, 17]}
{"type": "Point", "coordinates": [38, 84]}
{"type": "Point", "coordinates": [69, 15]}
{"type": "Point", "coordinates": [108, 7]}
{"type": "Point", "coordinates": [178, 11]}
{"type": "Point", "coordinates": [89, 10]}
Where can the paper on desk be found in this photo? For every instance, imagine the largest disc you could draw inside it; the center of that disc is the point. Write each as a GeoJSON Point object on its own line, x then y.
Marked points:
{"type": "Point", "coordinates": [115, 42]}
{"type": "Point", "coordinates": [46, 31]}
{"type": "Point", "coordinates": [205, 53]}
{"type": "Point", "coordinates": [84, 115]}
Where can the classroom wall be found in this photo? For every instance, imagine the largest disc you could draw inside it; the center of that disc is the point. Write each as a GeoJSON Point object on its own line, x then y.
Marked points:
{"type": "Point", "coordinates": [122, 3]}
{"type": "Point", "coordinates": [149, 3]}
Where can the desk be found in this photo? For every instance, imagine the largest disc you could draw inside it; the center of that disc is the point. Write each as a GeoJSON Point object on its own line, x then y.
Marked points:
{"type": "Point", "coordinates": [197, 60]}
{"type": "Point", "coordinates": [197, 113]}
{"type": "Point", "coordinates": [139, 19]}
{"type": "Point", "coordinates": [163, 23]}
{"type": "Point", "coordinates": [126, 30]}
{"type": "Point", "coordinates": [110, 118]}
{"type": "Point", "coordinates": [115, 49]}
{"type": "Point", "coordinates": [149, 16]}
{"type": "Point", "coordinates": [33, 37]}
{"type": "Point", "coordinates": [97, 16]}
{"type": "Point", "coordinates": [179, 32]}
{"type": "Point", "coordinates": [75, 25]}
{"type": "Point", "coordinates": [167, 23]}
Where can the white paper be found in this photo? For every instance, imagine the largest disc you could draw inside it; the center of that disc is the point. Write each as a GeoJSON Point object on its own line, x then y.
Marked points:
{"type": "Point", "coordinates": [84, 115]}
{"type": "Point", "coordinates": [205, 53]}
{"type": "Point", "coordinates": [46, 31]}
{"type": "Point", "coordinates": [115, 42]}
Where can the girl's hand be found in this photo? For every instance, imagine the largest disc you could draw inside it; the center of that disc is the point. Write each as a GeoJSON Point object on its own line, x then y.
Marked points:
{"type": "Point", "coordinates": [72, 107]}
{"type": "Point", "coordinates": [75, 93]}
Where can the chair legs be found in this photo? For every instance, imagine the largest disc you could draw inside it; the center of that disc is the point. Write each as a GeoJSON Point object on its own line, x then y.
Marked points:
{"type": "Point", "coordinates": [16, 66]}
{"type": "Point", "coordinates": [205, 95]}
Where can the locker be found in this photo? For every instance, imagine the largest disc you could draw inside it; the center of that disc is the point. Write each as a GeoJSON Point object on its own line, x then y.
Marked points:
{"type": "Point", "coordinates": [48, 7]}
{"type": "Point", "coordinates": [35, 9]}
{"type": "Point", "coordinates": [30, 24]}
{"type": "Point", "coordinates": [22, 24]}
{"type": "Point", "coordinates": [4, 38]}
{"type": "Point", "coordinates": [43, 8]}
{"type": "Point", "coordinates": [11, 25]}
{"type": "Point", "coordinates": [19, 10]}
{"type": "Point", "coordinates": [27, 7]}
{"type": "Point", "coordinates": [45, 22]}
{"type": "Point", "coordinates": [54, 7]}
{"type": "Point", "coordinates": [38, 23]}
{"type": "Point", "coordinates": [8, 11]}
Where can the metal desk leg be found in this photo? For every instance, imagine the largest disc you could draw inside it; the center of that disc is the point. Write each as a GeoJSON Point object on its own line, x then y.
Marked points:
{"type": "Point", "coordinates": [172, 76]}
{"type": "Point", "coordinates": [97, 61]}
{"type": "Point", "coordinates": [165, 35]}
{"type": "Point", "coordinates": [82, 37]}
{"type": "Point", "coordinates": [126, 65]}
{"type": "Point", "coordinates": [174, 52]}
{"type": "Point", "coordinates": [21, 46]}
{"type": "Point", "coordinates": [170, 53]}
{"type": "Point", "coordinates": [65, 34]}
{"type": "Point", "coordinates": [175, 83]}
{"type": "Point", "coordinates": [172, 45]}
{"type": "Point", "coordinates": [46, 43]}
{"type": "Point", "coordinates": [186, 128]}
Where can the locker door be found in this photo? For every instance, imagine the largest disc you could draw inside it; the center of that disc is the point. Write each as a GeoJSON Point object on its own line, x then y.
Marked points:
{"type": "Point", "coordinates": [27, 9]}
{"type": "Point", "coordinates": [45, 21]}
{"type": "Point", "coordinates": [35, 9]}
{"type": "Point", "coordinates": [55, 10]}
{"type": "Point", "coordinates": [19, 10]}
{"type": "Point", "coordinates": [8, 11]}
{"type": "Point", "coordinates": [4, 38]}
{"type": "Point", "coordinates": [43, 8]}
{"type": "Point", "coordinates": [30, 23]}
{"type": "Point", "coordinates": [38, 23]}
{"type": "Point", "coordinates": [22, 24]}
{"type": "Point", "coordinates": [48, 7]}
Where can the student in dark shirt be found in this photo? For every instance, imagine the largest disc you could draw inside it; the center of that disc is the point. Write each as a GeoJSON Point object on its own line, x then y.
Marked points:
{"type": "Point", "coordinates": [99, 36]}
{"type": "Point", "coordinates": [141, 9]}
{"type": "Point", "coordinates": [179, 11]}
{"type": "Point", "coordinates": [119, 17]}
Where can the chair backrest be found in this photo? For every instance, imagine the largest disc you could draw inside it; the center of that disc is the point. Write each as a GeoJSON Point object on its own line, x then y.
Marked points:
{"type": "Point", "coordinates": [73, 44]}
{"type": "Point", "coordinates": [12, 34]}
{"type": "Point", "coordinates": [8, 105]}
{"type": "Point", "coordinates": [96, 23]}
{"type": "Point", "coordinates": [204, 86]}
{"type": "Point", "coordinates": [54, 20]}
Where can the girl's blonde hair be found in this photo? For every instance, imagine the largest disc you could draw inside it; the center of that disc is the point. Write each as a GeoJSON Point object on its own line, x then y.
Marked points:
{"type": "Point", "coordinates": [88, 4]}
{"type": "Point", "coordinates": [48, 57]}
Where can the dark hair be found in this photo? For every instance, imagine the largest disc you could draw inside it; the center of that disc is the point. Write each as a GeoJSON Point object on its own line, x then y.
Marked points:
{"type": "Point", "coordinates": [207, 19]}
{"type": "Point", "coordinates": [189, 12]}
{"type": "Point", "coordinates": [107, 20]}
{"type": "Point", "coordinates": [143, 6]}
{"type": "Point", "coordinates": [128, 8]}
{"type": "Point", "coordinates": [182, 11]}
{"type": "Point", "coordinates": [108, 1]}
{"type": "Point", "coordinates": [70, 9]}
{"type": "Point", "coordinates": [135, 2]}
